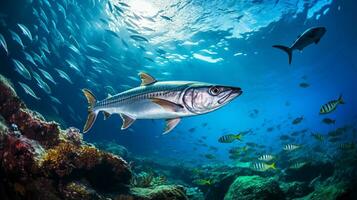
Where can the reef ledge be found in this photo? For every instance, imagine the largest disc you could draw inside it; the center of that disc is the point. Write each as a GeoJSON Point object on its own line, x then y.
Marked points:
{"type": "Point", "coordinates": [39, 160]}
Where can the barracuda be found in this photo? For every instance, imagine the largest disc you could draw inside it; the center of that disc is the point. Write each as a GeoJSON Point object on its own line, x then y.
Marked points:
{"type": "Point", "coordinates": [169, 100]}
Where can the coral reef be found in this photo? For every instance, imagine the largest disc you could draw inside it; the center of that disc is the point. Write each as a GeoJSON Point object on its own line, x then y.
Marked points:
{"type": "Point", "coordinates": [29, 123]}
{"type": "Point", "coordinates": [41, 161]}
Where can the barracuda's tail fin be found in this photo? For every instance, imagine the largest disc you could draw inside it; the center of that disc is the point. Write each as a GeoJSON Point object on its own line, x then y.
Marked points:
{"type": "Point", "coordinates": [288, 50]}
{"type": "Point", "coordinates": [91, 115]}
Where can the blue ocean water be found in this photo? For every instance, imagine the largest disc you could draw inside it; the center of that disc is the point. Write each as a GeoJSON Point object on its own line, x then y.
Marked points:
{"type": "Point", "coordinates": [223, 42]}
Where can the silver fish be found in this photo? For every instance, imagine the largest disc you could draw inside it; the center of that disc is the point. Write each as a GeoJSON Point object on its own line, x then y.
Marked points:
{"type": "Point", "coordinates": [54, 99]}
{"type": "Point", "coordinates": [139, 38]}
{"type": "Point", "coordinates": [63, 74]}
{"type": "Point", "coordinates": [3, 44]}
{"type": "Point", "coordinates": [25, 31]}
{"type": "Point", "coordinates": [169, 100]}
{"type": "Point", "coordinates": [47, 76]}
{"type": "Point", "coordinates": [21, 69]}
{"type": "Point", "coordinates": [38, 58]}
{"type": "Point", "coordinates": [29, 58]}
{"type": "Point", "coordinates": [42, 84]}
{"type": "Point", "coordinates": [73, 65]}
{"type": "Point", "coordinates": [29, 91]}
{"type": "Point", "coordinates": [17, 38]}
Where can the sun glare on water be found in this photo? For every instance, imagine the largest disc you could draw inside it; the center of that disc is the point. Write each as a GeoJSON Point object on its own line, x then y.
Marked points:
{"type": "Point", "coordinates": [144, 8]}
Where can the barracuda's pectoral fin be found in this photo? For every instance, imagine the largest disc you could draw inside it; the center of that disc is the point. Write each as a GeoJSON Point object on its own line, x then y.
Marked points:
{"type": "Point", "coordinates": [171, 124]}
{"type": "Point", "coordinates": [167, 105]}
{"type": "Point", "coordinates": [127, 121]}
{"type": "Point", "coordinates": [146, 79]}
{"type": "Point", "coordinates": [106, 115]}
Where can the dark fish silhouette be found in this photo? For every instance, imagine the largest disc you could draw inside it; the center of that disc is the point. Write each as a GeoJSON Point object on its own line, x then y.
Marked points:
{"type": "Point", "coordinates": [311, 35]}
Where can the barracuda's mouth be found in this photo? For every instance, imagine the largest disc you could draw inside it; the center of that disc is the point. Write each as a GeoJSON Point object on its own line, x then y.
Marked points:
{"type": "Point", "coordinates": [235, 92]}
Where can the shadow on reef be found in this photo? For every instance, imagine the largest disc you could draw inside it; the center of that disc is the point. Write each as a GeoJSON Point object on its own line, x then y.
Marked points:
{"type": "Point", "coordinates": [41, 161]}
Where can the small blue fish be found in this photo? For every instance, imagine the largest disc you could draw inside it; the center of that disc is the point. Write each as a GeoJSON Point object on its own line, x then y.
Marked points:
{"type": "Point", "coordinates": [29, 91]}
{"type": "Point", "coordinates": [42, 84]}
{"type": "Point", "coordinates": [16, 38]}
{"type": "Point", "coordinates": [139, 38]}
{"type": "Point", "coordinates": [63, 75]}
{"type": "Point", "coordinates": [3, 44]}
{"type": "Point", "coordinates": [21, 69]}
{"type": "Point", "coordinates": [55, 100]}
{"type": "Point", "coordinates": [29, 58]}
{"type": "Point", "coordinates": [25, 31]}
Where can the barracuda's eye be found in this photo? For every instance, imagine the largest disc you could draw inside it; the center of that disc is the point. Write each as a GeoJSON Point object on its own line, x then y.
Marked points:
{"type": "Point", "coordinates": [214, 91]}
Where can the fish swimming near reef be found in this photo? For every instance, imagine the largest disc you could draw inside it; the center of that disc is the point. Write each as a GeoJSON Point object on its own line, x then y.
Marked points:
{"type": "Point", "coordinates": [318, 137]}
{"type": "Point", "coordinates": [297, 120]}
{"type": "Point", "coordinates": [29, 91]}
{"type": "Point", "coordinates": [297, 165]}
{"type": "Point", "coordinates": [331, 105]}
{"type": "Point", "coordinates": [202, 182]}
{"type": "Point", "coordinates": [328, 121]}
{"type": "Point", "coordinates": [169, 100]}
{"type": "Point", "coordinates": [266, 157]}
{"type": "Point", "coordinates": [230, 138]}
{"type": "Point", "coordinates": [259, 166]}
{"type": "Point", "coordinates": [311, 35]}
{"type": "Point", "coordinates": [291, 147]}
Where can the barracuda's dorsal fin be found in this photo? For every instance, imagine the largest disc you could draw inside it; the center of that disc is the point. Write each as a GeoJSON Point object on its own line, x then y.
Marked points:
{"type": "Point", "coordinates": [146, 79]}
{"type": "Point", "coordinates": [127, 121]}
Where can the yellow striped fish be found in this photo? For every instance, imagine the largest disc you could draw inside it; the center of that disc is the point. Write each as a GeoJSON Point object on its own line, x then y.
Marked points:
{"type": "Point", "coordinates": [331, 105]}
{"type": "Point", "coordinates": [262, 166]}
{"type": "Point", "coordinates": [230, 138]}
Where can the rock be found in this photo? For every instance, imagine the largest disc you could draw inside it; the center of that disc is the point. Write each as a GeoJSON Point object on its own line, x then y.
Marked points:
{"type": "Point", "coordinates": [254, 188]}
{"type": "Point", "coordinates": [294, 190]}
{"type": "Point", "coordinates": [220, 186]}
{"type": "Point", "coordinates": [309, 171]}
{"type": "Point", "coordinates": [332, 192]}
{"type": "Point", "coordinates": [194, 194]}
{"type": "Point", "coordinates": [163, 192]}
